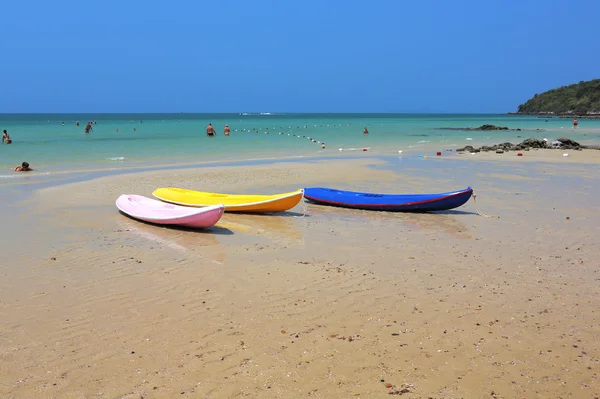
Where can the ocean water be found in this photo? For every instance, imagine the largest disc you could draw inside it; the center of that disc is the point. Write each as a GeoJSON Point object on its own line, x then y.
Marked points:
{"type": "Point", "coordinates": [167, 139]}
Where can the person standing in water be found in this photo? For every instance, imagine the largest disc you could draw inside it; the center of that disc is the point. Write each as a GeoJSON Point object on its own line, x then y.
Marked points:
{"type": "Point", "coordinates": [88, 127]}
{"type": "Point", "coordinates": [575, 123]}
{"type": "Point", "coordinates": [6, 138]}
{"type": "Point", "coordinates": [226, 131]}
{"type": "Point", "coordinates": [210, 130]}
{"type": "Point", "coordinates": [366, 131]}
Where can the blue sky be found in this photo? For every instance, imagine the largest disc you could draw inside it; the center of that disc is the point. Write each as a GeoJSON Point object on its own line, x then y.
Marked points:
{"type": "Point", "coordinates": [284, 56]}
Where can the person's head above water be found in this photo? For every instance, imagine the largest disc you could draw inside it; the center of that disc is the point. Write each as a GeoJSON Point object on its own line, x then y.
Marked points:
{"type": "Point", "coordinates": [23, 168]}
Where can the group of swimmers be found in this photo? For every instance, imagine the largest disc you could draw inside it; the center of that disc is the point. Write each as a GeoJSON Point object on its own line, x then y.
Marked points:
{"type": "Point", "coordinates": [7, 140]}
{"type": "Point", "coordinates": [210, 130]}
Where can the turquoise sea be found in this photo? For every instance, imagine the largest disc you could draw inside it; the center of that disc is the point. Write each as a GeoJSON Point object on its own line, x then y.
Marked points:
{"type": "Point", "coordinates": [167, 139]}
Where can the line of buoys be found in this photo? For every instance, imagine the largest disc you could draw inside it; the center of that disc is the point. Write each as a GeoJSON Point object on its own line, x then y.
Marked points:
{"type": "Point", "coordinates": [311, 139]}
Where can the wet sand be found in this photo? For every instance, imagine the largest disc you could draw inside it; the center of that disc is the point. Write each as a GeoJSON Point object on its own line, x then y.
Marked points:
{"type": "Point", "coordinates": [335, 303]}
{"type": "Point", "coordinates": [588, 157]}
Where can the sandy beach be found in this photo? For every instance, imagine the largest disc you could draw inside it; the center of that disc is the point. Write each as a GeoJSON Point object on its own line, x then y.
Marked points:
{"type": "Point", "coordinates": [319, 302]}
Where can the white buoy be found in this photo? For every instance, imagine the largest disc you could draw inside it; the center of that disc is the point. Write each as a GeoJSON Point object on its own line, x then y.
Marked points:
{"type": "Point", "coordinates": [400, 152]}
{"type": "Point", "coordinates": [565, 155]}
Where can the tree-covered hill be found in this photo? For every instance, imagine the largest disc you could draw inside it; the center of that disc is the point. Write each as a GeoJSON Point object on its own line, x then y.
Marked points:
{"type": "Point", "coordinates": [582, 98]}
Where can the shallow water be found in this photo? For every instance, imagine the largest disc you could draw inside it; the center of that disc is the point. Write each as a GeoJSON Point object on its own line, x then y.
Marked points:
{"type": "Point", "coordinates": [49, 146]}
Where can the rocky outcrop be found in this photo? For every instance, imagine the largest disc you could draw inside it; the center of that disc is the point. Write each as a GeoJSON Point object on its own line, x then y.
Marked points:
{"type": "Point", "coordinates": [562, 143]}
{"type": "Point", "coordinates": [480, 128]}
{"type": "Point", "coordinates": [491, 127]}
{"type": "Point", "coordinates": [568, 143]}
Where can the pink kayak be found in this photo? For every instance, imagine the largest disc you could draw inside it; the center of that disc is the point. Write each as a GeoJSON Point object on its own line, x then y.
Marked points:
{"type": "Point", "coordinates": [153, 211]}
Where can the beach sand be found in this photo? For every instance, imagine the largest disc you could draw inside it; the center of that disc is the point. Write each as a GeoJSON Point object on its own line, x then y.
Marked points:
{"type": "Point", "coordinates": [319, 302]}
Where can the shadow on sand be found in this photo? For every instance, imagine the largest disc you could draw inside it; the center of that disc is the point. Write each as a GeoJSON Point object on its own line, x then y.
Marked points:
{"type": "Point", "coordinates": [219, 230]}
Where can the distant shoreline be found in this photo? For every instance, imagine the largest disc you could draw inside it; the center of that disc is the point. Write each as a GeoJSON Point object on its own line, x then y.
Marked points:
{"type": "Point", "coordinates": [554, 115]}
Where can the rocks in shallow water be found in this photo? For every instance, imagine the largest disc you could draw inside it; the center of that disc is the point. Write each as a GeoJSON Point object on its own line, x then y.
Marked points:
{"type": "Point", "coordinates": [526, 145]}
{"type": "Point", "coordinates": [485, 127]}
{"type": "Point", "coordinates": [568, 144]}
{"type": "Point", "coordinates": [491, 127]}
{"type": "Point", "coordinates": [534, 143]}
{"type": "Point", "coordinates": [468, 148]}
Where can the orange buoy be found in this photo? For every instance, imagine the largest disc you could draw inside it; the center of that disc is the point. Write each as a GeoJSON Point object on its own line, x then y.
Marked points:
{"type": "Point", "coordinates": [520, 154]}
{"type": "Point", "coordinates": [364, 149]}
{"type": "Point", "coordinates": [439, 154]}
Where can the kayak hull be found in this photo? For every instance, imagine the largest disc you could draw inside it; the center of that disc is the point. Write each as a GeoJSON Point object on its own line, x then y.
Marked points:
{"type": "Point", "coordinates": [157, 212]}
{"type": "Point", "coordinates": [388, 202]}
{"type": "Point", "coordinates": [232, 202]}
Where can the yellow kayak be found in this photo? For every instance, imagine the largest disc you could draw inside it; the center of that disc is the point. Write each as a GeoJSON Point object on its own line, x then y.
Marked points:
{"type": "Point", "coordinates": [233, 203]}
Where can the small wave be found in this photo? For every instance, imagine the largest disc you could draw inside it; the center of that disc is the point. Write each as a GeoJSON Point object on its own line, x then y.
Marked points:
{"type": "Point", "coordinates": [27, 174]}
{"type": "Point", "coordinates": [116, 159]}
{"type": "Point", "coordinates": [469, 139]}
{"type": "Point", "coordinates": [424, 141]}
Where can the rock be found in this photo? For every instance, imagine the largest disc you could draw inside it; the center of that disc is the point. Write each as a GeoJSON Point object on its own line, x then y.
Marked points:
{"type": "Point", "coordinates": [485, 127]}
{"type": "Point", "coordinates": [569, 144]}
{"type": "Point", "coordinates": [468, 148]}
{"type": "Point", "coordinates": [499, 151]}
{"type": "Point", "coordinates": [534, 143]}
{"type": "Point", "coordinates": [491, 127]}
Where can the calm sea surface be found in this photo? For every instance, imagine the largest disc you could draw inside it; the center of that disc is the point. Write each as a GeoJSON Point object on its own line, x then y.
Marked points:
{"type": "Point", "coordinates": [141, 140]}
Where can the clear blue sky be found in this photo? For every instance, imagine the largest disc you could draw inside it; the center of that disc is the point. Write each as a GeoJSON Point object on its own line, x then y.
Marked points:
{"type": "Point", "coordinates": [291, 56]}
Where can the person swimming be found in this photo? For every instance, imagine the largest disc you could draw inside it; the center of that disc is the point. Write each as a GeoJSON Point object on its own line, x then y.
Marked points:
{"type": "Point", "coordinates": [23, 168]}
{"type": "Point", "coordinates": [6, 138]}
{"type": "Point", "coordinates": [366, 131]}
{"type": "Point", "coordinates": [226, 131]}
{"type": "Point", "coordinates": [88, 127]}
{"type": "Point", "coordinates": [210, 130]}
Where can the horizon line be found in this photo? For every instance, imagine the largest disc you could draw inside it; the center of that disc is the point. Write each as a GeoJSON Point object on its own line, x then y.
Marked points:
{"type": "Point", "coordinates": [246, 113]}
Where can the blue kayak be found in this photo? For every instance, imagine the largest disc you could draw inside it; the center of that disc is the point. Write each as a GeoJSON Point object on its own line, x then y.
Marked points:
{"type": "Point", "coordinates": [388, 202]}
